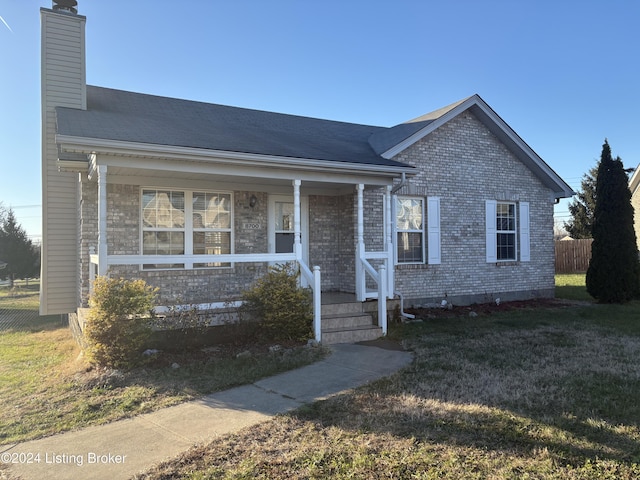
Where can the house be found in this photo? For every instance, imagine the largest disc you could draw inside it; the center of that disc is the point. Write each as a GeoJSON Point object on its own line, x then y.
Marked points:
{"type": "Point", "coordinates": [198, 199]}
{"type": "Point", "coordinates": [634, 186]}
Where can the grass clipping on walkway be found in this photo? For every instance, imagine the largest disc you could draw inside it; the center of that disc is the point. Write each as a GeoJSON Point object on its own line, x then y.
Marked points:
{"type": "Point", "coordinates": [47, 387]}
{"type": "Point", "coordinates": [535, 393]}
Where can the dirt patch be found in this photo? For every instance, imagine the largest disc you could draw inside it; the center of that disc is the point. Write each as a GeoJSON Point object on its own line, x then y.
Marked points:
{"type": "Point", "coordinates": [484, 309]}
{"type": "Point", "coordinates": [384, 343]}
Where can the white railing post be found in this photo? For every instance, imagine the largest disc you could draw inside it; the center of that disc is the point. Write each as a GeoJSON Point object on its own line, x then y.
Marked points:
{"type": "Point", "coordinates": [102, 219]}
{"type": "Point", "coordinates": [297, 243]}
{"type": "Point", "coordinates": [382, 299]}
{"type": "Point", "coordinates": [92, 271]}
{"type": "Point", "coordinates": [360, 249]}
{"type": "Point", "coordinates": [317, 304]}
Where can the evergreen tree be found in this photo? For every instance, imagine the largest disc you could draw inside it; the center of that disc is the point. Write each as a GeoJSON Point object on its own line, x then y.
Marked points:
{"type": "Point", "coordinates": [582, 207]}
{"type": "Point", "coordinates": [613, 275]}
{"type": "Point", "coordinates": [17, 250]}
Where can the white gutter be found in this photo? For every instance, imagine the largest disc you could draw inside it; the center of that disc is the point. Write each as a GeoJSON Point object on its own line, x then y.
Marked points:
{"type": "Point", "coordinates": [150, 150]}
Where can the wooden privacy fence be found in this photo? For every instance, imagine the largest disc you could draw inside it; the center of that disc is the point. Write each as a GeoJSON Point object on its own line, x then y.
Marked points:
{"type": "Point", "coordinates": [572, 256]}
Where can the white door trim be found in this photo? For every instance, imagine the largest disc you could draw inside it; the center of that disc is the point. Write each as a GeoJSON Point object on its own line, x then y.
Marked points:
{"type": "Point", "coordinates": [304, 223]}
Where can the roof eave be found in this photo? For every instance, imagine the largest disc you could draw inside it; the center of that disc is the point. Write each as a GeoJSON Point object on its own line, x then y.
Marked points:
{"type": "Point", "coordinates": [634, 181]}
{"type": "Point", "coordinates": [116, 147]}
{"type": "Point", "coordinates": [503, 131]}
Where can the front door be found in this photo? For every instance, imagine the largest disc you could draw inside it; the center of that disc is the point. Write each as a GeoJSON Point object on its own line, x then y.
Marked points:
{"type": "Point", "coordinates": [281, 230]}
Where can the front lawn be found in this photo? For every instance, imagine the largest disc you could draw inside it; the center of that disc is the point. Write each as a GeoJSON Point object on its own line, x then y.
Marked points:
{"type": "Point", "coordinates": [46, 386]}
{"type": "Point", "coordinates": [544, 393]}
{"type": "Point", "coordinates": [571, 286]}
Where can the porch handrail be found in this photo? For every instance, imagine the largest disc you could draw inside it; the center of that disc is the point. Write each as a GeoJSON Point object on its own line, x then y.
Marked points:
{"type": "Point", "coordinates": [380, 277]}
{"type": "Point", "coordinates": [221, 258]}
{"type": "Point", "coordinates": [370, 270]}
{"type": "Point", "coordinates": [313, 278]}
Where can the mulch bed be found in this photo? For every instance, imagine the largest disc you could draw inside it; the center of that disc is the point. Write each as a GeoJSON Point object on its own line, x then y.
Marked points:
{"type": "Point", "coordinates": [483, 309]}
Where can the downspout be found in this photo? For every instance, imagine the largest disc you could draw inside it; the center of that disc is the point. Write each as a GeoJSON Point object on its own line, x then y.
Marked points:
{"type": "Point", "coordinates": [402, 312]}
{"type": "Point", "coordinates": [402, 183]}
{"type": "Point", "coordinates": [394, 190]}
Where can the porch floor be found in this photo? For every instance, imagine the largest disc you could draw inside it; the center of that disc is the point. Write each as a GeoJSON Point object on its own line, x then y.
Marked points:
{"type": "Point", "coordinates": [332, 298]}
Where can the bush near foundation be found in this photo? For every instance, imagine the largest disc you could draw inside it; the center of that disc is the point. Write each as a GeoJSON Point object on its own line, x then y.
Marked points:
{"type": "Point", "coordinates": [283, 309]}
{"type": "Point", "coordinates": [118, 325]}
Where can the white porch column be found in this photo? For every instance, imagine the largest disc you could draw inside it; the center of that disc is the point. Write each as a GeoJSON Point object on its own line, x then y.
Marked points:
{"type": "Point", "coordinates": [389, 242]}
{"type": "Point", "coordinates": [102, 219]}
{"type": "Point", "coordinates": [297, 243]}
{"type": "Point", "coordinates": [360, 274]}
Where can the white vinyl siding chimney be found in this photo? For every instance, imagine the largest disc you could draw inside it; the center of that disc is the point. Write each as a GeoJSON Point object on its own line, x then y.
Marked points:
{"type": "Point", "coordinates": [63, 84]}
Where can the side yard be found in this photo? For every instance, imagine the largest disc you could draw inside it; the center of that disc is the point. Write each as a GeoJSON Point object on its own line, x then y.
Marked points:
{"type": "Point", "coordinates": [47, 387]}
{"type": "Point", "coordinates": [544, 390]}
{"type": "Point", "coordinates": [547, 393]}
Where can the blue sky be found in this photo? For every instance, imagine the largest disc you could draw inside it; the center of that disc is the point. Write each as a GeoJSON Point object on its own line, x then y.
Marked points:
{"type": "Point", "coordinates": [563, 74]}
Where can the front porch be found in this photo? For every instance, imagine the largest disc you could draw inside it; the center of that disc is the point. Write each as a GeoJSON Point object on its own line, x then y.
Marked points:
{"type": "Point", "coordinates": [251, 248]}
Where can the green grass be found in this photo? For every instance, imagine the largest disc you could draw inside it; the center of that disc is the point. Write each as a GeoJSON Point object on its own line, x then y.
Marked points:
{"type": "Point", "coordinates": [47, 387]}
{"type": "Point", "coordinates": [547, 393]}
{"type": "Point", "coordinates": [571, 286]}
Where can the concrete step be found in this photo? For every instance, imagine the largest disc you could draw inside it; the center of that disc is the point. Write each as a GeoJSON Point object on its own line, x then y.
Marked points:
{"type": "Point", "coordinates": [352, 335]}
{"type": "Point", "coordinates": [341, 308]}
{"type": "Point", "coordinates": [346, 321]}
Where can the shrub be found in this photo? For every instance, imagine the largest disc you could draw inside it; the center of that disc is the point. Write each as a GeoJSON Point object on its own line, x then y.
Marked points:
{"type": "Point", "coordinates": [283, 308]}
{"type": "Point", "coordinates": [118, 322]}
{"type": "Point", "coordinates": [613, 275]}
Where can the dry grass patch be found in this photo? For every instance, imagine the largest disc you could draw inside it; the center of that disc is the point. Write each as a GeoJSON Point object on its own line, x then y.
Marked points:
{"type": "Point", "coordinates": [536, 393]}
{"type": "Point", "coordinates": [47, 387]}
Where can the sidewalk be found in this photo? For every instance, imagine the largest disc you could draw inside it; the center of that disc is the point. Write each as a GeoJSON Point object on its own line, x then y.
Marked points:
{"type": "Point", "coordinates": [121, 449]}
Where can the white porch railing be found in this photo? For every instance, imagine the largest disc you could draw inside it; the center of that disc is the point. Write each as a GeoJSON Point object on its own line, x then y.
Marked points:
{"type": "Point", "coordinates": [380, 278]}
{"type": "Point", "coordinates": [312, 277]}
{"type": "Point", "coordinates": [383, 278]}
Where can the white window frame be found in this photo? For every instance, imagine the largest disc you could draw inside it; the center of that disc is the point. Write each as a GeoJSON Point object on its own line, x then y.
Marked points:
{"type": "Point", "coordinates": [421, 231]}
{"type": "Point", "coordinates": [188, 228]}
{"type": "Point", "coordinates": [521, 232]}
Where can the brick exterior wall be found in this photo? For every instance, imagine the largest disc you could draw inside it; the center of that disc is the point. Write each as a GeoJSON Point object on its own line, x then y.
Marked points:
{"type": "Point", "coordinates": [331, 245]}
{"type": "Point", "coordinates": [176, 286]}
{"type": "Point", "coordinates": [635, 203]}
{"type": "Point", "coordinates": [464, 164]}
{"type": "Point", "coordinates": [461, 162]}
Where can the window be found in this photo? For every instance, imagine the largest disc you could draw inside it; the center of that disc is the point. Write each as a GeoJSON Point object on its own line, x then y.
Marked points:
{"type": "Point", "coordinates": [185, 223]}
{"type": "Point", "coordinates": [211, 226]}
{"type": "Point", "coordinates": [507, 231]}
{"type": "Point", "coordinates": [409, 230]}
{"type": "Point", "coordinates": [284, 226]}
{"type": "Point", "coordinates": [411, 239]}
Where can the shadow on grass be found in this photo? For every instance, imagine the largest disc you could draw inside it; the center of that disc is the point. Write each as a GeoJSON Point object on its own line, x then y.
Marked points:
{"type": "Point", "coordinates": [540, 388]}
{"type": "Point", "coordinates": [573, 292]}
{"type": "Point", "coordinates": [570, 439]}
{"type": "Point", "coordinates": [21, 320]}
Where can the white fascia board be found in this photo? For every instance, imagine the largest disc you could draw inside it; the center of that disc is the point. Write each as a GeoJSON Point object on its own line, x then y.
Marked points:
{"type": "Point", "coordinates": [146, 150]}
{"type": "Point", "coordinates": [561, 188]}
{"type": "Point", "coordinates": [634, 181]}
{"type": "Point", "coordinates": [72, 165]}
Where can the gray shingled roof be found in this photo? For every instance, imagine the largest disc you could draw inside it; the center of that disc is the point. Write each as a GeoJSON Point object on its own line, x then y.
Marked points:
{"type": "Point", "coordinates": [141, 118]}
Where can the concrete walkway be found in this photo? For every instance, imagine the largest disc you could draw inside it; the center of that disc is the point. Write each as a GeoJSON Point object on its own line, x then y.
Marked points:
{"type": "Point", "coordinates": [121, 449]}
